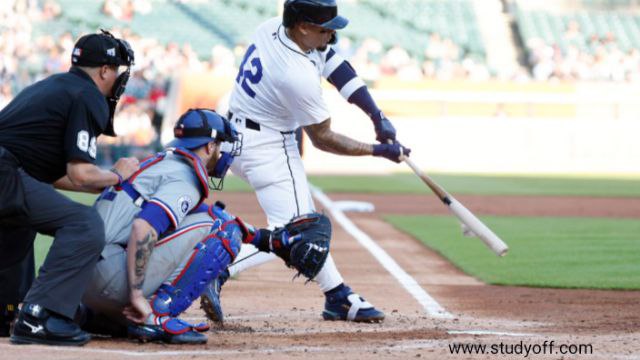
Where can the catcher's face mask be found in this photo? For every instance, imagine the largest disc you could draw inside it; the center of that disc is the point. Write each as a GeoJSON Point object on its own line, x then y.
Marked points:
{"type": "Point", "coordinates": [228, 151]}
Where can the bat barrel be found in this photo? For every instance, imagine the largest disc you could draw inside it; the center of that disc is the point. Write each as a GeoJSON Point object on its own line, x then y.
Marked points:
{"type": "Point", "coordinates": [478, 228]}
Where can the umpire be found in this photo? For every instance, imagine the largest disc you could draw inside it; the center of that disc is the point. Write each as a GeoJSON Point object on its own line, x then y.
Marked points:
{"type": "Point", "coordinates": [48, 139]}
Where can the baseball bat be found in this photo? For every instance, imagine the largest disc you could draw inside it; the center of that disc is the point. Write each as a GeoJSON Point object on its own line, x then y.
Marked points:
{"type": "Point", "coordinates": [470, 221]}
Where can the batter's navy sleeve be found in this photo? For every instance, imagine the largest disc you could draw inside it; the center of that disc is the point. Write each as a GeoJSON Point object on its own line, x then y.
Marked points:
{"type": "Point", "coordinates": [344, 77]}
{"type": "Point", "coordinates": [87, 119]}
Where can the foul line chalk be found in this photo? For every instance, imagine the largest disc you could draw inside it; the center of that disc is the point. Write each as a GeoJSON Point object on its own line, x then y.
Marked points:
{"type": "Point", "coordinates": [430, 305]}
{"type": "Point", "coordinates": [396, 346]}
{"type": "Point", "coordinates": [488, 332]}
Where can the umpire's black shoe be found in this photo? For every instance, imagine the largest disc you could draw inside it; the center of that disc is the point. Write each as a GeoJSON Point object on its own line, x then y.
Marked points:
{"type": "Point", "coordinates": [36, 325]}
{"type": "Point", "coordinates": [7, 314]}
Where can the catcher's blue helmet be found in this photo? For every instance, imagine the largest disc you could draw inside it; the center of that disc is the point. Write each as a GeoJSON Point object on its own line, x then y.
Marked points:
{"type": "Point", "coordinates": [320, 12]}
{"type": "Point", "coordinates": [198, 127]}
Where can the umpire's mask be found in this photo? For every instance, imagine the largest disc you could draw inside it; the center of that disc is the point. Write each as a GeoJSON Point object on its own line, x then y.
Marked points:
{"type": "Point", "coordinates": [105, 49]}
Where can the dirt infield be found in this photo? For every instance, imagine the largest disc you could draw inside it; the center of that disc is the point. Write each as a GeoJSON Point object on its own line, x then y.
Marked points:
{"type": "Point", "coordinates": [269, 316]}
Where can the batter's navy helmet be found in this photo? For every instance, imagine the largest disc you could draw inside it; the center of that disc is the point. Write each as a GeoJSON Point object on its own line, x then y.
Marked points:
{"type": "Point", "coordinates": [320, 12]}
{"type": "Point", "coordinates": [197, 127]}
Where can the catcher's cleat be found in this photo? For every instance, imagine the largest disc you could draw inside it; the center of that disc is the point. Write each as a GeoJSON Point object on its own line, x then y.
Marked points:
{"type": "Point", "coordinates": [7, 314]}
{"type": "Point", "coordinates": [344, 304]}
{"type": "Point", "coordinates": [158, 333]}
{"type": "Point", "coordinates": [36, 325]}
{"type": "Point", "coordinates": [210, 298]}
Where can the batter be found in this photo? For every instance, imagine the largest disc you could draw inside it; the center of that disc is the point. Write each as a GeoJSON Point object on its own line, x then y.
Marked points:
{"type": "Point", "coordinates": [277, 90]}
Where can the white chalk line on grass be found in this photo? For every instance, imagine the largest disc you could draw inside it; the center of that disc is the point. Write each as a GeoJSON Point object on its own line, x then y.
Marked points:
{"type": "Point", "coordinates": [430, 305]}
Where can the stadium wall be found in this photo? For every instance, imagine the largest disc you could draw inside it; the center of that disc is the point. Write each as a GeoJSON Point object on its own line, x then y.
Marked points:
{"type": "Point", "coordinates": [497, 128]}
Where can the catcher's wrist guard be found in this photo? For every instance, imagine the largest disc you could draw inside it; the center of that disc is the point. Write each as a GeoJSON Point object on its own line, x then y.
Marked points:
{"type": "Point", "coordinates": [303, 243]}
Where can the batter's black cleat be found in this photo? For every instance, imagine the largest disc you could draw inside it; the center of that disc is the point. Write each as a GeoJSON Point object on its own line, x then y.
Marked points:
{"type": "Point", "coordinates": [7, 314]}
{"type": "Point", "coordinates": [210, 299]}
{"type": "Point", "coordinates": [36, 325]}
{"type": "Point", "coordinates": [343, 304]}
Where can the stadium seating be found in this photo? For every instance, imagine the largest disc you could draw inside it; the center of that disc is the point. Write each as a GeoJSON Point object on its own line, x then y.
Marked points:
{"type": "Point", "coordinates": [623, 25]}
{"type": "Point", "coordinates": [454, 19]}
{"type": "Point", "coordinates": [206, 23]}
{"type": "Point", "coordinates": [168, 21]}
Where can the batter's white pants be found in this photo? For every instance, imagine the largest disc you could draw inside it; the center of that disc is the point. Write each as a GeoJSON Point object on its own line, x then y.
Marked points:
{"type": "Point", "coordinates": [270, 162]}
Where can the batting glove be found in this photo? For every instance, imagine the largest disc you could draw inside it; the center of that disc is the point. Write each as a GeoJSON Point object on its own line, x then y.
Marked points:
{"type": "Point", "coordinates": [392, 152]}
{"type": "Point", "coordinates": [384, 129]}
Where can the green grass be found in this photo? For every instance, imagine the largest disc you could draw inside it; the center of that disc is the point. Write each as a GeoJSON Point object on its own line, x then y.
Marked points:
{"type": "Point", "coordinates": [558, 252]}
{"type": "Point", "coordinates": [544, 252]}
{"type": "Point", "coordinates": [482, 185]}
{"type": "Point", "coordinates": [456, 184]}
{"type": "Point", "coordinates": [469, 184]}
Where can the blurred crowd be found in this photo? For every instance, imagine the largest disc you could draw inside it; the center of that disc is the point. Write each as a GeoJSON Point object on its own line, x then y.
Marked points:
{"type": "Point", "coordinates": [28, 55]}
{"type": "Point", "coordinates": [125, 10]}
{"type": "Point", "coordinates": [584, 57]}
{"type": "Point", "coordinates": [442, 60]}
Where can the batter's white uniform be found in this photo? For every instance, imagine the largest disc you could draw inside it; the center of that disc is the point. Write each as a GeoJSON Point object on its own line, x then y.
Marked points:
{"type": "Point", "coordinates": [278, 90]}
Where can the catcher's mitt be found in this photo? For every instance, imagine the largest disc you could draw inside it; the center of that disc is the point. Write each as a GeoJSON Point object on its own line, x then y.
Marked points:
{"type": "Point", "coordinates": [303, 243]}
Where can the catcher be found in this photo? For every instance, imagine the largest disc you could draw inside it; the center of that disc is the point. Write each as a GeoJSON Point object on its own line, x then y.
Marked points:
{"type": "Point", "coordinates": [164, 246]}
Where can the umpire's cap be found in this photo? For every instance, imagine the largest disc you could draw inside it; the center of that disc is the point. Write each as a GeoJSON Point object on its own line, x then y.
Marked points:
{"type": "Point", "coordinates": [320, 12]}
{"type": "Point", "coordinates": [101, 49]}
{"type": "Point", "coordinates": [198, 127]}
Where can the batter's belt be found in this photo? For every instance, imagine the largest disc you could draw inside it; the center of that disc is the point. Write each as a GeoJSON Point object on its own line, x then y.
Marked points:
{"type": "Point", "coordinates": [250, 124]}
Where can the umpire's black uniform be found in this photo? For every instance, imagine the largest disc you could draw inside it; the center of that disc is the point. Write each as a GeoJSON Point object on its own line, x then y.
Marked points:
{"type": "Point", "coordinates": [47, 125]}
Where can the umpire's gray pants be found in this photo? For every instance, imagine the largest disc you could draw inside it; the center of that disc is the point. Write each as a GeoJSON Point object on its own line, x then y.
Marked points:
{"type": "Point", "coordinates": [78, 240]}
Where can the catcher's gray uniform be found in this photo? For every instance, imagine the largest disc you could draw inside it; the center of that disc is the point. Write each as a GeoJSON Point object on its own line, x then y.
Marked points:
{"type": "Point", "coordinates": [170, 182]}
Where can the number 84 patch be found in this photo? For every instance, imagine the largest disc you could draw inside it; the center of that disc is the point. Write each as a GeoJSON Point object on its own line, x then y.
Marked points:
{"type": "Point", "coordinates": [85, 144]}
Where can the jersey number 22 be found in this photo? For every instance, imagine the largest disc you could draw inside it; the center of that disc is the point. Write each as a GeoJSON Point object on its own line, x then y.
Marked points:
{"type": "Point", "coordinates": [249, 74]}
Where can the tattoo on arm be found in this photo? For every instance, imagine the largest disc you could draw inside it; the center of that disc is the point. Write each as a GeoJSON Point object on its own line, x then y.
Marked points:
{"type": "Point", "coordinates": [143, 253]}
{"type": "Point", "coordinates": [326, 139]}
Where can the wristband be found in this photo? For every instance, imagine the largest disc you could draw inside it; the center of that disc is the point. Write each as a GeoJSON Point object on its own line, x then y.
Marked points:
{"type": "Point", "coordinates": [120, 179]}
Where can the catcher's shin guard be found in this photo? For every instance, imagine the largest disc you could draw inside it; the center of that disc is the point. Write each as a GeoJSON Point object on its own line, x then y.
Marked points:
{"type": "Point", "coordinates": [207, 260]}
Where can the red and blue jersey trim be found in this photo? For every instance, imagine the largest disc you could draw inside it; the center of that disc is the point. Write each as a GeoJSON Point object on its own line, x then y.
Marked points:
{"type": "Point", "coordinates": [184, 230]}
{"type": "Point", "coordinates": [200, 169]}
{"type": "Point", "coordinates": [167, 209]}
